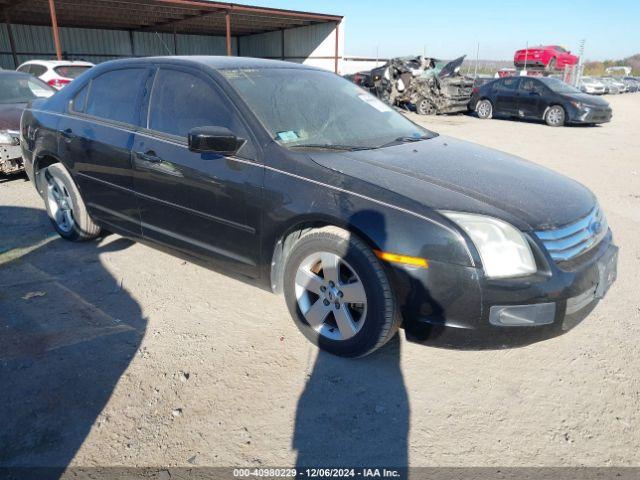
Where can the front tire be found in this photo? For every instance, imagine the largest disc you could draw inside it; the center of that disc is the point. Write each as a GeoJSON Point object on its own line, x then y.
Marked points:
{"type": "Point", "coordinates": [484, 109]}
{"type": "Point", "coordinates": [338, 293]}
{"type": "Point", "coordinates": [555, 116]}
{"type": "Point", "coordinates": [65, 206]}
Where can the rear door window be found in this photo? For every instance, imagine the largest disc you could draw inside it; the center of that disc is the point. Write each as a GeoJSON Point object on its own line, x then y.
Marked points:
{"type": "Point", "coordinates": [79, 101]}
{"type": "Point", "coordinates": [71, 71]}
{"type": "Point", "coordinates": [115, 95]}
{"type": "Point", "coordinates": [510, 83]}
{"type": "Point", "coordinates": [37, 70]}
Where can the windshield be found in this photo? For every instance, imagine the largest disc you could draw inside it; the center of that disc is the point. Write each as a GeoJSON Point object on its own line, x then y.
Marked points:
{"type": "Point", "coordinates": [316, 109]}
{"type": "Point", "coordinates": [22, 89]}
{"type": "Point", "coordinates": [71, 71]}
{"type": "Point", "coordinates": [559, 86]}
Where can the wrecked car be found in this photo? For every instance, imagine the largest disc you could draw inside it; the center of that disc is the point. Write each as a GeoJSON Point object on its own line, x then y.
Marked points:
{"type": "Point", "coordinates": [16, 90]}
{"type": "Point", "coordinates": [428, 85]}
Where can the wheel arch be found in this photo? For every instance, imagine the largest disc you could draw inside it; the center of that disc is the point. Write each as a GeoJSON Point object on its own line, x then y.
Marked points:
{"type": "Point", "coordinates": [554, 104]}
{"type": "Point", "coordinates": [294, 229]}
{"type": "Point", "coordinates": [42, 160]}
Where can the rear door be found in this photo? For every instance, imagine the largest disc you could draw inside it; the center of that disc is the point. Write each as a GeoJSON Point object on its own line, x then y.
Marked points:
{"type": "Point", "coordinates": [96, 140]}
{"type": "Point", "coordinates": [507, 95]}
{"type": "Point", "coordinates": [206, 205]}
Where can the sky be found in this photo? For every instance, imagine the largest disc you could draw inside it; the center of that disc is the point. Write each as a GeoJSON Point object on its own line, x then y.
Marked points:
{"type": "Point", "coordinates": [448, 29]}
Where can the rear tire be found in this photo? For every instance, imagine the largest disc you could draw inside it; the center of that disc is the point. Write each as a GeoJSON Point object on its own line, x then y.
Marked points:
{"type": "Point", "coordinates": [338, 293]}
{"type": "Point", "coordinates": [555, 116]}
{"type": "Point", "coordinates": [484, 109]}
{"type": "Point", "coordinates": [425, 107]}
{"type": "Point", "coordinates": [65, 206]}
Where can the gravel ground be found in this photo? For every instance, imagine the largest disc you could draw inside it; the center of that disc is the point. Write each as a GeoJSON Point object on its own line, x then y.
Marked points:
{"type": "Point", "coordinates": [113, 353]}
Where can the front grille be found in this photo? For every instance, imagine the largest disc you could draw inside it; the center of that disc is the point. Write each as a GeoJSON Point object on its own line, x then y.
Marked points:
{"type": "Point", "coordinates": [568, 242]}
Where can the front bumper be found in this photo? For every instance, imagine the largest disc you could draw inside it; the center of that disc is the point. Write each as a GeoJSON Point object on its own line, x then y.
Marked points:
{"type": "Point", "coordinates": [591, 115]}
{"type": "Point", "coordinates": [10, 159]}
{"type": "Point", "coordinates": [455, 306]}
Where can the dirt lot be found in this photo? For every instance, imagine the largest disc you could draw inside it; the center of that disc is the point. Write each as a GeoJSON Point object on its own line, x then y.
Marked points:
{"type": "Point", "coordinates": [113, 353]}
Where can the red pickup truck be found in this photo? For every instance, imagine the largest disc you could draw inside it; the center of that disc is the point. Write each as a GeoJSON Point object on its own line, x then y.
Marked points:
{"type": "Point", "coordinates": [550, 57]}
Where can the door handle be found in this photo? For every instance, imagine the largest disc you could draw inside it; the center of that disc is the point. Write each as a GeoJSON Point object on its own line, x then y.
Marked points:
{"type": "Point", "coordinates": [67, 134]}
{"type": "Point", "coordinates": [148, 156]}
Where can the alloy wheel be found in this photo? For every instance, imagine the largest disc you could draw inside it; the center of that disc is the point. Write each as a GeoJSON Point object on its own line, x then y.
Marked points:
{"type": "Point", "coordinates": [484, 109]}
{"type": "Point", "coordinates": [555, 116]}
{"type": "Point", "coordinates": [60, 204]}
{"type": "Point", "coordinates": [331, 296]}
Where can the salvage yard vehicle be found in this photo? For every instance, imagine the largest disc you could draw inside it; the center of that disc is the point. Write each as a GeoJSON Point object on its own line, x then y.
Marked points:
{"type": "Point", "coordinates": [549, 57]}
{"type": "Point", "coordinates": [592, 86]}
{"type": "Point", "coordinates": [56, 73]}
{"type": "Point", "coordinates": [631, 84]}
{"type": "Point", "coordinates": [615, 86]}
{"type": "Point", "coordinates": [539, 98]}
{"type": "Point", "coordinates": [256, 167]}
{"type": "Point", "coordinates": [16, 90]}
{"type": "Point", "coordinates": [429, 85]}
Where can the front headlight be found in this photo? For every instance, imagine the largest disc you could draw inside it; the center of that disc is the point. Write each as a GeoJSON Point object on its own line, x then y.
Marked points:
{"type": "Point", "coordinates": [578, 105]}
{"type": "Point", "coordinates": [503, 249]}
{"type": "Point", "coordinates": [7, 139]}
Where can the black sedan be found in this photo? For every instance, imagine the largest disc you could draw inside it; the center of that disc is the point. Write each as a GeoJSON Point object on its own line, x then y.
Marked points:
{"type": "Point", "coordinates": [258, 168]}
{"type": "Point", "coordinates": [544, 98]}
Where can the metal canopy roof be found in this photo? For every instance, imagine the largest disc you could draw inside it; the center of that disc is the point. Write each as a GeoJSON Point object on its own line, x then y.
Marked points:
{"type": "Point", "coordinates": [180, 16]}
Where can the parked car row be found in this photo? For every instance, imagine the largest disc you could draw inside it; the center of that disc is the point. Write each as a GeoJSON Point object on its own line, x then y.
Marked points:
{"type": "Point", "coordinates": [609, 85]}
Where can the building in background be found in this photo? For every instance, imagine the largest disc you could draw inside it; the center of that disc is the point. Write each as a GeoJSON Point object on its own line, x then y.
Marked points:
{"type": "Point", "coordinates": [100, 30]}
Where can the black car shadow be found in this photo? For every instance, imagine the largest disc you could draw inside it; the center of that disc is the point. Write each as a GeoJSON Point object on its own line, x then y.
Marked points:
{"type": "Point", "coordinates": [534, 121]}
{"type": "Point", "coordinates": [354, 413]}
{"type": "Point", "coordinates": [68, 331]}
{"type": "Point", "coordinates": [13, 177]}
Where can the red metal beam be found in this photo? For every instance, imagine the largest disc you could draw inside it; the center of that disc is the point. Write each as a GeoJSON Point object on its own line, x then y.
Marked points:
{"type": "Point", "coordinates": [227, 19]}
{"type": "Point", "coordinates": [259, 10]}
{"type": "Point", "coordinates": [54, 27]}
{"type": "Point", "coordinates": [337, 47]}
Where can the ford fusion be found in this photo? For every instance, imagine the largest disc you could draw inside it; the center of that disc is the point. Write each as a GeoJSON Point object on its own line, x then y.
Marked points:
{"type": "Point", "coordinates": [300, 182]}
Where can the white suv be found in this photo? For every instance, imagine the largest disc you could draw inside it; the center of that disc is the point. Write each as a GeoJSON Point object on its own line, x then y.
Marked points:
{"type": "Point", "coordinates": [56, 73]}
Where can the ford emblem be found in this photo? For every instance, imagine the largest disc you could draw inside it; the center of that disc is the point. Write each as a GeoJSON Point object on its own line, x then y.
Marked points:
{"type": "Point", "coordinates": [595, 227]}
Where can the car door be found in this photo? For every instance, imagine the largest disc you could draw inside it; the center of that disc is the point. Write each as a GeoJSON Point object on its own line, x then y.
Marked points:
{"type": "Point", "coordinates": [95, 141]}
{"type": "Point", "coordinates": [204, 204]}
{"type": "Point", "coordinates": [530, 98]}
{"type": "Point", "coordinates": [506, 96]}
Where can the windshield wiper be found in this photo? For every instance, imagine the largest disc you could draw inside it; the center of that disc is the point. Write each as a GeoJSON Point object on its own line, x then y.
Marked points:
{"type": "Point", "coordinates": [404, 139]}
{"type": "Point", "coordinates": [328, 146]}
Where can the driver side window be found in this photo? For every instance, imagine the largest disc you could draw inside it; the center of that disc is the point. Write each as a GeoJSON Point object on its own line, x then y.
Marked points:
{"type": "Point", "coordinates": [530, 85]}
{"type": "Point", "coordinates": [181, 101]}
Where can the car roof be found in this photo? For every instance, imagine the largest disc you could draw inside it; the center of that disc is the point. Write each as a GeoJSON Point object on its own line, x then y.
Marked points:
{"type": "Point", "coordinates": [6, 73]}
{"type": "Point", "coordinates": [216, 62]}
{"type": "Point", "coordinates": [58, 63]}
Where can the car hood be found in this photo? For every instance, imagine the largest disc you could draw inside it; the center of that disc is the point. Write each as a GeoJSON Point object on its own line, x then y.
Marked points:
{"type": "Point", "coordinates": [10, 116]}
{"type": "Point", "coordinates": [449, 69]}
{"type": "Point", "coordinates": [444, 173]}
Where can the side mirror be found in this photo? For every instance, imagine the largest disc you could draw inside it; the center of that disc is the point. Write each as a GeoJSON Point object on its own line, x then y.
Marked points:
{"type": "Point", "coordinates": [218, 140]}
